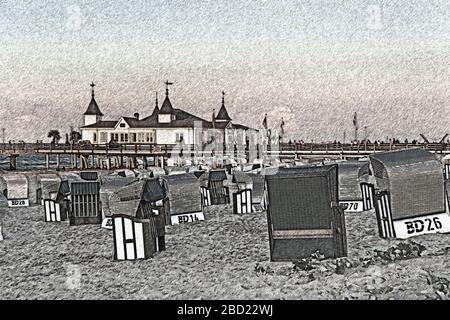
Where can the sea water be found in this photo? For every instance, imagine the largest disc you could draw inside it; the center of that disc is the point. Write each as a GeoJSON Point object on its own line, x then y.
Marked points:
{"type": "Point", "coordinates": [33, 162]}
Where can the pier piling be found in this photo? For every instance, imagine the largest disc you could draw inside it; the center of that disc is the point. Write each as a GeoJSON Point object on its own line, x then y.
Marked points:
{"type": "Point", "coordinates": [13, 162]}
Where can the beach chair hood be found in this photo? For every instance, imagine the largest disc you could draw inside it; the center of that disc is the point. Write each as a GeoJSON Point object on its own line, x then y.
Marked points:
{"type": "Point", "coordinates": [414, 180]}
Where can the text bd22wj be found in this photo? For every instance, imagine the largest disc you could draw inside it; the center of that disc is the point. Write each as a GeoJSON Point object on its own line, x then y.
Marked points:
{"type": "Point", "coordinates": [227, 309]}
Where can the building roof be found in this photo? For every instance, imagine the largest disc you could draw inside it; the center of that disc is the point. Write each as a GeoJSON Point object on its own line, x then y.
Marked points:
{"type": "Point", "coordinates": [182, 118]}
{"type": "Point", "coordinates": [102, 124]}
{"type": "Point", "coordinates": [93, 108]}
{"type": "Point", "coordinates": [223, 114]}
{"type": "Point", "coordinates": [132, 122]}
{"type": "Point", "coordinates": [220, 125]}
{"type": "Point", "coordinates": [240, 126]}
{"type": "Point", "coordinates": [166, 106]}
{"type": "Point", "coordinates": [155, 110]}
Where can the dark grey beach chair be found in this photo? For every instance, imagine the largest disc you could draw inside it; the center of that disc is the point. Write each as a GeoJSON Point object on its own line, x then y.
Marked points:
{"type": "Point", "coordinates": [303, 213]}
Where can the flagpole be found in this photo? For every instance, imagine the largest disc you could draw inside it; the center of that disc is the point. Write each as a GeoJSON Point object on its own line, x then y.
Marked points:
{"type": "Point", "coordinates": [355, 124]}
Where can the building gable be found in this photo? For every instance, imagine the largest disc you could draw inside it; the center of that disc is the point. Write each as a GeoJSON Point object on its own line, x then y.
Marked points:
{"type": "Point", "coordinates": [122, 124]}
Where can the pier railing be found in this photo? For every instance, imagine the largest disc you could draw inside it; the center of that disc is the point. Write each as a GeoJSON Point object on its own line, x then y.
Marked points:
{"type": "Point", "coordinates": [147, 148]}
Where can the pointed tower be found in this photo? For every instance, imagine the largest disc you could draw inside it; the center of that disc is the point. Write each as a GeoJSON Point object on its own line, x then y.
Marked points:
{"type": "Point", "coordinates": [223, 116]}
{"type": "Point", "coordinates": [156, 109]}
{"type": "Point", "coordinates": [93, 113]}
{"type": "Point", "coordinates": [166, 114]}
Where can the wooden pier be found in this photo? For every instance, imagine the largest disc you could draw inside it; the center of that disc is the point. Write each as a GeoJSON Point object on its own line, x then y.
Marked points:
{"type": "Point", "coordinates": [126, 155]}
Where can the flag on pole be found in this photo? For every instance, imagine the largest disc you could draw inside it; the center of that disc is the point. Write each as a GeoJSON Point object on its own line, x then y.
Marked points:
{"type": "Point", "coordinates": [264, 123]}
{"type": "Point", "coordinates": [355, 121]}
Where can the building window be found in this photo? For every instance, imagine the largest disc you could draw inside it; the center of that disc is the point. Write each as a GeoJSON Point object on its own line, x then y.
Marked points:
{"type": "Point", "coordinates": [150, 137]}
{"type": "Point", "coordinates": [133, 137]}
{"type": "Point", "coordinates": [122, 125]}
{"type": "Point", "coordinates": [103, 137]}
{"type": "Point", "coordinates": [179, 138]}
{"type": "Point", "coordinates": [95, 137]}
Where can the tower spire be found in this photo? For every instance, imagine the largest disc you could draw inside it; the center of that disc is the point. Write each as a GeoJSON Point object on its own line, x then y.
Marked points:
{"type": "Point", "coordinates": [92, 90]}
{"type": "Point", "coordinates": [222, 115]}
{"type": "Point", "coordinates": [167, 87]}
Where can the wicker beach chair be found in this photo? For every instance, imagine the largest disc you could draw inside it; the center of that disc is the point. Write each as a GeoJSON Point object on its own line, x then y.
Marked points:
{"type": "Point", "coordinates": [410, 196]}
{"type": "Point", "coordinates": [350, 176]}
{"type": "Point", "coordinates": [185, 201]}
{"type": "Point", "coordinates": [143, 199]}
{"type": "Point", "coordinates": [303, 213]}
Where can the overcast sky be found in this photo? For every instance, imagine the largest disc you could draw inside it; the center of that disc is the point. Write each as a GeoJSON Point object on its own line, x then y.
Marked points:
{"type": "Point", "coordinates": [313, 62]}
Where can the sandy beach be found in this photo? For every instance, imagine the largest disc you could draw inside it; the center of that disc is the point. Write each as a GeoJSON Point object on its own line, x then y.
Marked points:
{"type": "Point", "coordinates": [224, 257]}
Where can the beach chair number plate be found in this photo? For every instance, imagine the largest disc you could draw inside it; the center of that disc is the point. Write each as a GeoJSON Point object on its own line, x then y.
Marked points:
{"type": "Point", "coordinates": [351, 206]}
{"type": "Point", "coordinates": [436, 223]}
{"type": "Point", "coordinates": [18, 203]}
{"type": "Point", "coordinates": [107, 223]}
{"type": "Point", "coordinates": [188, 217]}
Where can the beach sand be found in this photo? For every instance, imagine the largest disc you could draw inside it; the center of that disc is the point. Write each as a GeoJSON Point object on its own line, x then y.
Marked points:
{"type": "Point", "coordinates": [224, 257]}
